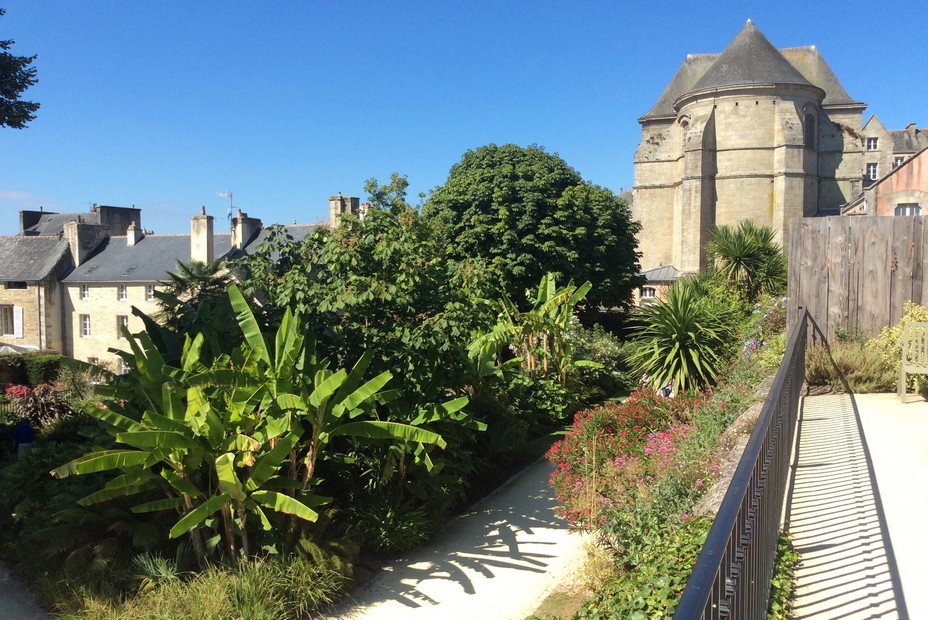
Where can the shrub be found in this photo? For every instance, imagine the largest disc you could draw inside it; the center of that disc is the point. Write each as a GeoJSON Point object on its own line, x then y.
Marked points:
{"type": "Point", "coordinates": [40, 406]}
{"type": "Point", "coordinates": [42, 367]}
{"type": "Point", "coordinates": [593, 385]}
{"type": "Point", "coordinates": [850, 365]}
{"type": "Point", "coordinates": [684, 341]}
{"type": "Point", "coordinates": [887, 343]}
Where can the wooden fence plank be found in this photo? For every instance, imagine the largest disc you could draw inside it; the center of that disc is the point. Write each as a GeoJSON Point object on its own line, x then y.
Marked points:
{"type": "Point", "coordinates": [903, 248]}
{"type": "Point", "coordinates": [876, 276]}
{"type": "Point", "coordinates": [838, 276]}
{"type": "Point", "coordinates": [853, 258]}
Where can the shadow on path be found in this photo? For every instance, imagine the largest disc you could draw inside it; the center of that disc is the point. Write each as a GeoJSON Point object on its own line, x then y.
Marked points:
{"type": "Point", "coordinates": [499, 554]}
{"type": "Point", "coordinates": [847, 567]}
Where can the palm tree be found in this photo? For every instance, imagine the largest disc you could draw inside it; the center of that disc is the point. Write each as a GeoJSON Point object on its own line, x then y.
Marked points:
{"type": "Point", "coordinates": [748, 257]}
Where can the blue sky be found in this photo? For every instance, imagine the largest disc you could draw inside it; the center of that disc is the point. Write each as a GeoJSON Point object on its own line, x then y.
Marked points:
{"type": "Point", "coordinates": [163, 105]}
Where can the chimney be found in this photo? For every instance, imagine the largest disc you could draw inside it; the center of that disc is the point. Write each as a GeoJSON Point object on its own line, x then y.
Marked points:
{"type": "Point", "coordinates": [244, 229]}
{"type": "Point", "coordinates": [83, 239]}
{"type": "Point", "coordinates": [201, 237]}
{"type": "Point", "coordinates": [339, 205]}
{"type": "Point", "coordinates": [134, 234]}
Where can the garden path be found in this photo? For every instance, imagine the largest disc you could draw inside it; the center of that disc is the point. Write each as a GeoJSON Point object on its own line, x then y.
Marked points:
{"type": "Point", "coordinates": [857, 507]}
{"type": "Point", "coordinates": [499, 561]}
{"type": "Point", "coordinates": [15, 602]}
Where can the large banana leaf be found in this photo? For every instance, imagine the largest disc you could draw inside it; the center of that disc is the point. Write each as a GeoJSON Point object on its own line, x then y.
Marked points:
{"type": "Point", "coordinates": [104, 460]}
{"type": "Point", "coordinates": [248, 324]}
{"type": "Point", "coordinates": [373, 429]}
{"type": "Point", "coordinates": [198, 515]}
{"type": "Point", "coordinates": [286, 504]}
{"type": "Point", "coordinates": [229, 483]}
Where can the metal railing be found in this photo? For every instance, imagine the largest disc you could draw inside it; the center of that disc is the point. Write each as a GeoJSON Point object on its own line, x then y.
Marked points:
{"type": "Point", "coordinates": [732, 576]}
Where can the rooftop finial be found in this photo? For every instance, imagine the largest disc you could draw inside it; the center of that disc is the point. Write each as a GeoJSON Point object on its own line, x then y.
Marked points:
{"type": "Point", "coordinates": [202, 209]}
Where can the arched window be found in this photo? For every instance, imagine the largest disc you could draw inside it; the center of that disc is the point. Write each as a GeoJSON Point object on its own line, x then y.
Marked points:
{"type": "Point", "coordinates": [808, 134]}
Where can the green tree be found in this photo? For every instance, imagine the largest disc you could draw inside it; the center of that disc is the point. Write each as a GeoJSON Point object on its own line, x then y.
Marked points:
{"type": "Point", "coordinates": [528, 213]}
{"type": "Point", "coordinates": [748, 257]}
{"type": "Point", "coordinates": [15, 77]}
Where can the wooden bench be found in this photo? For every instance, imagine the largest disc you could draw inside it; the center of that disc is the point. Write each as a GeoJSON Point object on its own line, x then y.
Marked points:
{"type": "Point", "coordinates": [914, 343]}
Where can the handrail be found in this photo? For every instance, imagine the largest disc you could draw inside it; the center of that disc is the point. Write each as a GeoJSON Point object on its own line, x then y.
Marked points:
{"type": "Point", "coordinates": [732, 576]}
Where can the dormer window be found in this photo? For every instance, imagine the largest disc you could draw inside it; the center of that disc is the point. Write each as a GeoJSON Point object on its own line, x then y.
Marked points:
{"type": "Point", "coordinates": [873, 144]}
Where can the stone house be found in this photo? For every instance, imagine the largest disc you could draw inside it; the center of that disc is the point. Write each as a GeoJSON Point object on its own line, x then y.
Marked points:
{"type": "Point", "coordinates": [68, 282]}
{"type": "Point", "coordinates": [751, 133]}
{"type": "Point", "coordinates": [886, 149]}
{"type": "Point", "coordinates": [902, 192]}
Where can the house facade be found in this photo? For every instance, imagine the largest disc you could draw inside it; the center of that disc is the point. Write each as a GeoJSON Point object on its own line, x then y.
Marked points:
{"type": "Point", "coordinates": [69, 282]}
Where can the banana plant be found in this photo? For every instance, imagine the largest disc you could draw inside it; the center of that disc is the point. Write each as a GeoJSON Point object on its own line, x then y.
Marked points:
{"type": "Point", "coordinates": [240, 438]}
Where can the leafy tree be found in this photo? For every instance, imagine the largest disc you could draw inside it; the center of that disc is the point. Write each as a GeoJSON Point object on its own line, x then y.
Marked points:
{"type": "Point", "coordinates": [528, 213]}
{"type": "Point", "coordinates": [15, 77]}
{"type": "Point", "coordinates": [749, 258]}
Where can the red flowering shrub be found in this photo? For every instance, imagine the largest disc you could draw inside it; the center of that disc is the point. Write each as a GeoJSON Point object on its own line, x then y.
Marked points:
{"type": "Point", "coordinates": [615, 448]}
{"type": "Point", "coordinates": [39, 405]}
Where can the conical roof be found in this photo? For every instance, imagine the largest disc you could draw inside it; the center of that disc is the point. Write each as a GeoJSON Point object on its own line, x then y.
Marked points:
{"type": "Point", "coordinates": [750, 59]}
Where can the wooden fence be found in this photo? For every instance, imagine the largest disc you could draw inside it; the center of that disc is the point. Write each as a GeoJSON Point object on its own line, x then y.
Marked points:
{"type": "Point", "coordinates": [853, 274]}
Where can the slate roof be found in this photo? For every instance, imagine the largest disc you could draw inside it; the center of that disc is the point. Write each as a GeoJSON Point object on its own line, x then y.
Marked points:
{"type": "Point", "coordinates": [29, 259]}
{"type": "Point", "coordinates": [750, 59]}
{"type": "Point", "coordinates": [667, 273]}
{"type": "Point", "coordinates": [149, 260]}
{"type": "Point", "coordinates": [909, 140]}
{"type": "Point", "coordinates": [53, 223]}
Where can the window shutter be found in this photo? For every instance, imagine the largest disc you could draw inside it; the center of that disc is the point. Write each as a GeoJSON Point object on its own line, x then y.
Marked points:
{"type": "Point", "coordinates": [17, 321]}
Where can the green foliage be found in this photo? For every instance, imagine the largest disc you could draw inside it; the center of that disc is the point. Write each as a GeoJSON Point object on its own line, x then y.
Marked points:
{"type": "Point", "coordinates": [528, 213]}
{"type": "Point", "coordinates": [654, 587]}
{"type": "Point", "coordinates": [887, 343]}
{"type": "Point", "coordinates": [683, 341]}
{"type": "Point", "coordinates": [39, 406]}
{"type": "Point", "coordinates": [748, 257]}
{"type": "Point", "coordinates": [784, 579]}
{"type": "Point", "coordinates": [594, 385]}
{"type": "Point", "coordinates": [16, 76]}
{"type": "Point", "coordinates": [260, 589]}
{"type": "Point", "coordinates": [233, 444]}
{"type": "Point", "coordinates": [195, 300]}
{"type": "Point", "coordinates": [30, 369]}
{"type": "Point", "coordinates": [850, 365]}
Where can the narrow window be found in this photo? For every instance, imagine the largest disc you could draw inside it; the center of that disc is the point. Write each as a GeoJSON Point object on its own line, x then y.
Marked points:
{"type": "Point", "coordinates": [808, 137]}
{"type": "Point", "coordinates": [150, 292]}
{"type": "Point", "coordinates": [85, 325]}
{"type": "Point", "coordinates": [6, 320]}
{"type": "Point", "coordinates": [18, 286]}
{"type": "Point", "coordinates": [872, 171]}
{"type": "Point", "coordinates": [122, 320]}
{"type": "Point", "coordinates": [873, 144]}
{"type": "Point", "coordinates": [85, 291]}
{"type": "Point", "coordinates": [123, 294]}
{"type": "Point", "coordinates": [898, 161]}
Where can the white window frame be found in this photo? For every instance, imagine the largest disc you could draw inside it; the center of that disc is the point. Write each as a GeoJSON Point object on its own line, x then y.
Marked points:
{"type": "Point", "coordinates": [873, 171]}
{"type": "Point", "coordinates": [873, 144]}
{"type": "Point", "coordinates": [150, 292]}
{"type": "Point", "coordinates": [898, 161]}
{"type": "Point", "coordinates": [85, 291]}
{"type": "Point", "coordinates": [7, 320]}
{"type": "Point", "coordinates": [122, 320]}
{"type": "Point", "coordinates": [122, 292]}
{"type": "Point", "coordinates": [84, 325]}
{"type": "Point", "coordinates": [907, 209]}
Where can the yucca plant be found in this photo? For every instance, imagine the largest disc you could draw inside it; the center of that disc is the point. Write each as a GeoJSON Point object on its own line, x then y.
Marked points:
{"type": "Point", "coordinates": [681, 341]}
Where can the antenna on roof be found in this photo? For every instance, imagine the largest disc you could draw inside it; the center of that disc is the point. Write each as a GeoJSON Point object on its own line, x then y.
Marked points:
{"type": "Point", "coordinates": [229, 196]}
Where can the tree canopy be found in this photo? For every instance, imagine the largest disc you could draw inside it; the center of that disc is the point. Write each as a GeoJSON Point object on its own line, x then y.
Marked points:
{"type": "Point", "coordinates": [528, 213]}
{"type": "Point", "coordinates": [15, 76]}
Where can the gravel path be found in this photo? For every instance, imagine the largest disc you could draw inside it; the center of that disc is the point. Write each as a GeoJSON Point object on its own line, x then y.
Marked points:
{"type": "Point", "coordinates": [497, 562]}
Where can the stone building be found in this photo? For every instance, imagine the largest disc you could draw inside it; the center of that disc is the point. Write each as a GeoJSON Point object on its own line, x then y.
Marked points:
{"type": "Point", "coordinates": [750, 133]}
{"type": "Point", "coordinates": [69, 281]}
{"type": "Point", "coordinates": [902, 192]}
{"type": "Point", "coordinates": [886, 149]}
